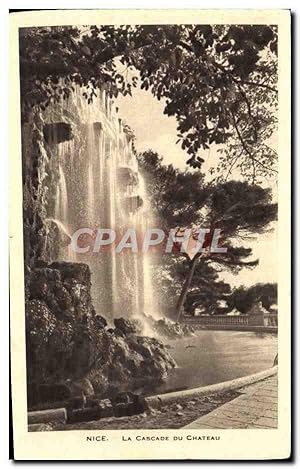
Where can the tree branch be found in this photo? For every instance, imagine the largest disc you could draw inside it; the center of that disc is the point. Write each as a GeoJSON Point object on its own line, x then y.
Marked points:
{"type": "Point", "coordinates": [232, 165]}
{"type": "Point", "coordinates": [246, 148]}
{"type": "Point", "coordinates": [253, 83]}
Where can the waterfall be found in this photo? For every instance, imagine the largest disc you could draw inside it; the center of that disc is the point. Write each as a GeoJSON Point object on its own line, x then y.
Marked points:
{"type": "Point", "coordinates": [61, 208]}
{"type": "Point", "coordinates": [99, 185]}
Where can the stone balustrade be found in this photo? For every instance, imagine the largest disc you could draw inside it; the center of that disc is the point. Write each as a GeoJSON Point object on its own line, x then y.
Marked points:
{"type": "Point", "coordinates": [244, 321]}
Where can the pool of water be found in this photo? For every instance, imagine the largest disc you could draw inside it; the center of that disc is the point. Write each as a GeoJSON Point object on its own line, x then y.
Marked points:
{"type": "Point", "coordinates": [215, 356]}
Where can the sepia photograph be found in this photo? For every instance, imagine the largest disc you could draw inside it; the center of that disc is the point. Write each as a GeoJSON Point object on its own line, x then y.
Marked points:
{"type": "Point", "coordinates": [150, 174]}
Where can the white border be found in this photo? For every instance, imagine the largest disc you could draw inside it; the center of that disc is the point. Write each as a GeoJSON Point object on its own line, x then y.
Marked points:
{"type": "Point", "coordinates": [4, 129]}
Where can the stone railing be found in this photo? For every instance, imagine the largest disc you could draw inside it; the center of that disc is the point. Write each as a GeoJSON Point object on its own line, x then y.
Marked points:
{"type": "Point", "coordinates": [235, 322]}
{"type": "Point", "coordinates": [271, 320]}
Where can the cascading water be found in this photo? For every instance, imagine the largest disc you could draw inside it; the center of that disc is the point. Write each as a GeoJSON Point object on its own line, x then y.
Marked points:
{"type": "Point", "coordinates": [99, 185]}
{"type": "Point", "coordinates": [146, 221]}
{"type": "Point", "coordinates": [61, 209]}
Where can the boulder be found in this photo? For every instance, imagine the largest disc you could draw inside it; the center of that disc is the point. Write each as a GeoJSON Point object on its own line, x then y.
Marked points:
{"type": "Point", "coordinates": [172, 330]}
{"type": "Point", "coordinates": [100, 321]}
{"type": "Point", "coordinates": [140, 346]}
{"type": "Point", "coordinates": [106, 407]}
{"type": "Point", "coordinates": [118, 332]}
{"type": "Point", "coordinates": [128, 403]}
{"type": "Point", "coordinates": [125, 325]}
{"type": "Point", "coordinates": [126, 362]}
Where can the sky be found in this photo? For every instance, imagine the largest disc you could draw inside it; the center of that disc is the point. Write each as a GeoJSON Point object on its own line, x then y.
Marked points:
{"type": "Point", "coordinates": [154, 130]}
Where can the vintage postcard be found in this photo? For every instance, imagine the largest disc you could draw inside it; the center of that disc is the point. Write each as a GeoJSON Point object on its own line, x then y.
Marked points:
{"type": "Point", "coordinates": [150, 234]}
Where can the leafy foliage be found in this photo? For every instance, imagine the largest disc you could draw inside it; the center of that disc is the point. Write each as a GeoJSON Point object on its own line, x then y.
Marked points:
{"type": "Point", "coordinates": [206, 288]}
{"type": "Point", "coordinates": [182, 199]}
{"type": "Point", "coordinates": [244, 298]}
{"type": "Point", "coordinates": [176, 196]}
{"type": "Point", "coordinates": [240, 208]}
{"type": "Point", "coordinates": [218, 81]}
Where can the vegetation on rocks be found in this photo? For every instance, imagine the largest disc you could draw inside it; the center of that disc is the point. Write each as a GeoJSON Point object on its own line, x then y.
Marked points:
{"type": "Point", "coordinates": [67, 342]}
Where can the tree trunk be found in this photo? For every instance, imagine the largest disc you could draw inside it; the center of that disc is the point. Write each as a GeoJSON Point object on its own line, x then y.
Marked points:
{"type": "Point", "coordinates": [186, 286]}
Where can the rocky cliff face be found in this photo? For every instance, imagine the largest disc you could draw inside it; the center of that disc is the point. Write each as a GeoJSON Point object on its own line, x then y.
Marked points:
{"type": "Point", "coordinates": [68, 342]}
{"type": "Point", "coordinates": [39, 180]}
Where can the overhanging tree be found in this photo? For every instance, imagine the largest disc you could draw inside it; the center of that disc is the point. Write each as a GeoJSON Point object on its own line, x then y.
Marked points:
{"type": "Point", "coordinates": [219, 81]}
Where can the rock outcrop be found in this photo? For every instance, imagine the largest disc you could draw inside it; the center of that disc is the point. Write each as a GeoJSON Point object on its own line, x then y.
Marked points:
{"type": "Point", "coordinates": [172, 330]}
{"type": "Point", "coordinates": [72, 351]}
{"type": "Point", "coordinates": [165, 328]}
